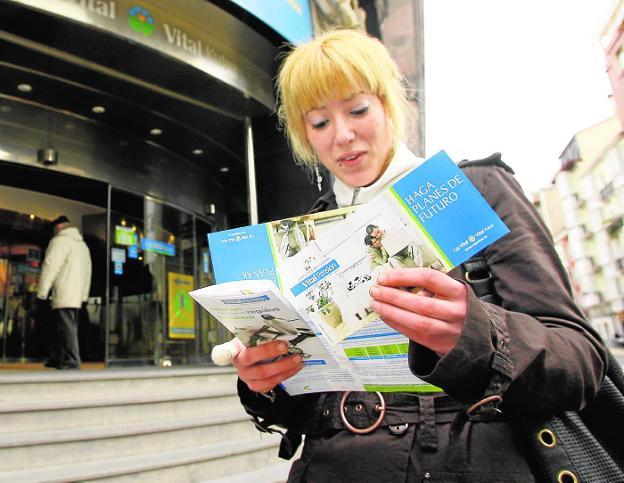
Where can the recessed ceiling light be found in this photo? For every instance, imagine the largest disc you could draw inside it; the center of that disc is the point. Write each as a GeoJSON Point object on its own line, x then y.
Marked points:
{"type": "Point", "coordinates": [24, 87]}
{"type": "Point", "coordinates": [155, 131]}
{"type": "Point", "coordinates": [198, 151]}
{"type": "Point", "coordinates": [98, 109]}
{"type": "Point", "coordinates": [224, 169]}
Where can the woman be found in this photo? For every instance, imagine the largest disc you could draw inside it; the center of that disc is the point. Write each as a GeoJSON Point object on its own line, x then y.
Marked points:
{"type": "Point", "coordinates": [342, 101]}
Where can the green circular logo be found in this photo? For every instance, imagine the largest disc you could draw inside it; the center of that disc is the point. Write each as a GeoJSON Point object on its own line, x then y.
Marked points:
{"type": "Point", "coordinates": [141, 20]}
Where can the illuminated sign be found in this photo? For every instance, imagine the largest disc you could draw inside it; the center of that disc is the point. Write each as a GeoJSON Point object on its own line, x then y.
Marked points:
{"type": "Point", "coordinates": [157, 246]}
{"type": "Point", "coordinates": [133, 251]}
{"type": "Point", "coordinates": [193, 31]}
{"type": "Point", "coordinates": [124, 235]}
{"type": "Point", "coordinates": [181, 307]}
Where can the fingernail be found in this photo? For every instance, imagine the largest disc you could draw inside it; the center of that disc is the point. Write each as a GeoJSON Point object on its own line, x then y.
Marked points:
{"type": "Point", "coordinates": [382, 278]}
{"type": "Point", "coordinates": [284, 346]}
{"type": "Point", "coordinates": [376, 306]}
{"type": "Point", "coordinates": [373, 291]}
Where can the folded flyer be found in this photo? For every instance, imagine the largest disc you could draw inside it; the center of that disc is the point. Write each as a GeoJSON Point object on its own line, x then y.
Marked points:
{"type": "Point", "coordinates": [431, 217]}
{"type": "Point", "coordinates": [256, 312]}
{"type": "Point", "coordinates": [322, 265]}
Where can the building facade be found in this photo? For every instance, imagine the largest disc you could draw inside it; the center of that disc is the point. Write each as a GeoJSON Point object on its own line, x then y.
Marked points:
{"type": "Point", "coordinates": [612, 40]}
{"type": "Point", "coordinates": [590, 240]}
{"type": "Point", "coordinates": [585, 206]}
{"type": "Point", "coordinates": [149, 124]}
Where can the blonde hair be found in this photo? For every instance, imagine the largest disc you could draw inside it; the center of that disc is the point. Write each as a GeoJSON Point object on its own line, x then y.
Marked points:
{"type": "Point", "coordinates": [337, 65]}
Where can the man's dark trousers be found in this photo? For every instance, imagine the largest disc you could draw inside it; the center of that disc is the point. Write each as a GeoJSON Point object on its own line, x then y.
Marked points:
{"type": "Point", "coordinates": [64, 350]}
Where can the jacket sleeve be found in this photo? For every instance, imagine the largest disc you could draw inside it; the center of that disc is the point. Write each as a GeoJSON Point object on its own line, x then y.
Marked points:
{"type": "Point", "coordinates": [54, 258]}
{"type": "Point", "coordinates": [555, 360]}
{"type": "Point", "coordinates": [290, 412]}
{"type": "Point", "coordinates": [88, 273]}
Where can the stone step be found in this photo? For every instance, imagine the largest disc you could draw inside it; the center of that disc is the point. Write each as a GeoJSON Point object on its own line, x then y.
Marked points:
{"type": "Point", "coordinates": [147, 424]}
{"type": "Point", "coordinates": [198, 463]}
{"type": "Point", "coordinates": [18, 387]}
{"type": "Point", "coordinates": [72, 446]}
{"type": "Point", "coordinates": [116, 408]}
{"type": "Point", "coordinates": [277, 473]}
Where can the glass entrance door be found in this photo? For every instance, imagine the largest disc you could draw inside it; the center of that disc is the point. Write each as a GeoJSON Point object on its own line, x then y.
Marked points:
{"type": "Point", "coordinates": [153, 260]}
{"type": "Point", "coordinates": [22, 330]}
{"type": "Point", "coordinates": [25, 232]}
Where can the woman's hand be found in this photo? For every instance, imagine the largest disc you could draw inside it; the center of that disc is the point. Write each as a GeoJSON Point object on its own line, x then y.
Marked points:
{"type": "Point", "coordinates": [433, 317]}
{"type": "Point", "coordinates": [260, 375]}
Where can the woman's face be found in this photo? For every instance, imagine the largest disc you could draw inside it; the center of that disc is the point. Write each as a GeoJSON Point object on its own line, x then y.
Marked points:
{"type": "Point", "coordinates": [351, 137]}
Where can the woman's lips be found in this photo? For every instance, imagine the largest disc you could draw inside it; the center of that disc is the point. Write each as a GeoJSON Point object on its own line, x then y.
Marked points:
{"type": "Point", "coordinates": [351, 159]}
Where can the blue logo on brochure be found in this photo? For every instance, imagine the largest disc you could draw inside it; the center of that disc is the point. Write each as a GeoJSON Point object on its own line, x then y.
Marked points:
{"type": "Point", "coordinates": [315, 277]}
{"type": "Point", "coordinates": [250, 300]}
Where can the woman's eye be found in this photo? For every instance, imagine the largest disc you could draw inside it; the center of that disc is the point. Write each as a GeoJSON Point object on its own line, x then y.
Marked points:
{"type": "Point", "coordinates": [360, 110]}
{"type": "Point", "coordinates": [319, 124]}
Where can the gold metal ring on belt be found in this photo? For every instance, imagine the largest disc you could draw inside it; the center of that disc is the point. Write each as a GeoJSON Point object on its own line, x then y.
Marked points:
{"type": "Point", "coordinates": [381, 408]}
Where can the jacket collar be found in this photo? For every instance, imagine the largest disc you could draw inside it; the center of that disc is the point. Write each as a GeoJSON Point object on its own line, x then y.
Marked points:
{"type": "Point", "coordinates": [402, 162]}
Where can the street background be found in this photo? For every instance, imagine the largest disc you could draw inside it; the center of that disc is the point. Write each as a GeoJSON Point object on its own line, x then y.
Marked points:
{"type": "Point", "coordinates": [516, 77]}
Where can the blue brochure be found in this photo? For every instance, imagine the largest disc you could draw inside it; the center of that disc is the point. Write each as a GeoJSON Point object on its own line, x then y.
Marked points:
{"type": "Point", "coordinates": [448, 210]}
{"type": "Point", "coordinates": [325, 263]}
{"type": "Point", "coordinates": [254, 252]}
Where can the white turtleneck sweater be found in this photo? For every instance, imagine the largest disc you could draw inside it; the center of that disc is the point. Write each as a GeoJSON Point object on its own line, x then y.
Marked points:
{"type": "Point", "coordinates": [402, 162]}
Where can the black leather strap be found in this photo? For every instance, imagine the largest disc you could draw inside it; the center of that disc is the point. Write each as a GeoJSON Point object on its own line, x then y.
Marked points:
{"type": "Point", "coordinates": [477, 274]}
{"type": "Point", "coordinates": [479, 277]}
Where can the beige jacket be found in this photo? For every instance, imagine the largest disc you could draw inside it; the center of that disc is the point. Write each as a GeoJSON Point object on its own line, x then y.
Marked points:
{"type": "Point", "coordinates": [66, 270]}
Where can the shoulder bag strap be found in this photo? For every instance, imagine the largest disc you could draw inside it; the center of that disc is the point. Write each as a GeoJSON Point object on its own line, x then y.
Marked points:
{"type": "Point", "coordinates": [567, 446]}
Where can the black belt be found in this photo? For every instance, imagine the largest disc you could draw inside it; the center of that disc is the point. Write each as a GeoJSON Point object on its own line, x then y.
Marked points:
{"type": "Point", "coordinates": [365, 411]}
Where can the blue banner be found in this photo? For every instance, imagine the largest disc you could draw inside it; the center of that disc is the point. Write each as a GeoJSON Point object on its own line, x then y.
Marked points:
{"type": "Point", "coordinates": [290, 18]}
{"type": "Point", "coordinates": [156, 246]}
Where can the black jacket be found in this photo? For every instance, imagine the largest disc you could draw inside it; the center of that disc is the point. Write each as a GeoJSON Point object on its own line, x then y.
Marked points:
{"type": "Point", "coordinates": [536, 346]}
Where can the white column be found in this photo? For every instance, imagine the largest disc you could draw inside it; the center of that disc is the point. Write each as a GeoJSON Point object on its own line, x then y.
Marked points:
{"type": "Point", "coordinates": [251, 173]}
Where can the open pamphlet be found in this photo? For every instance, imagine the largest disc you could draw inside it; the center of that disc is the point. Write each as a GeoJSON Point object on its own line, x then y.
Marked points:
{"type": "Point", "coordinates": [322, 265]}
{"type": "Point", "coordinates": [374, 360]}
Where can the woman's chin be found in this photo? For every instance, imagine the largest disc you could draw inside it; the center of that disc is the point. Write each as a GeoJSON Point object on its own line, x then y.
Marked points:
{"type": "Point", "coordinates": [357, 180]}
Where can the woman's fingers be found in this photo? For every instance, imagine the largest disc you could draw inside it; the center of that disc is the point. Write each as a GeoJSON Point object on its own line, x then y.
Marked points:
{"type": "Point", "coordinates": [263, 352]}
{"type": "Point", "coordinates": [437, 335]}
{"type": "Point", "coordinates": [263, 367]}
{"type": "Point", "coordinates": [433, 315]}
{"type": "Point", "coordinates": [420, 303]}
{"type": "Point", "coordinates": [264, 377]}
{"type": "Point", "coordinates": [436, 282]}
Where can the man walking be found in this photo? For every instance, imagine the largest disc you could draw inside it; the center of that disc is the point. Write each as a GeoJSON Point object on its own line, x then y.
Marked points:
{"type": "Point", "coordinates": [67, 271]}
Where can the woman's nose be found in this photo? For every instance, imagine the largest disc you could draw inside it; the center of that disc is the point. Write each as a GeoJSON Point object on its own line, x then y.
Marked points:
{"type": "Point", "coordinates": [344, 132]}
